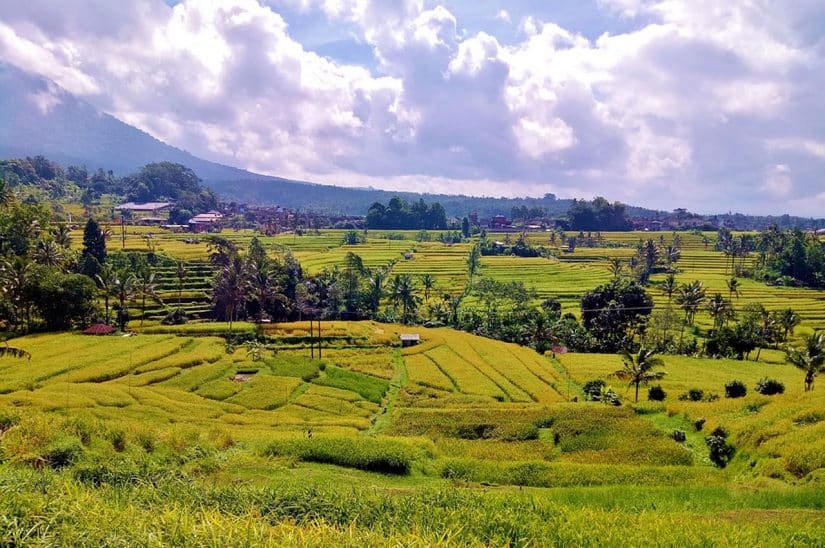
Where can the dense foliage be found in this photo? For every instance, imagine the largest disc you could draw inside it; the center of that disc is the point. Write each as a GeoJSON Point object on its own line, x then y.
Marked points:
{"type": "Point", "coordinates": [597, 215]}
{"type": "Point", "coordinates": [399, 214]}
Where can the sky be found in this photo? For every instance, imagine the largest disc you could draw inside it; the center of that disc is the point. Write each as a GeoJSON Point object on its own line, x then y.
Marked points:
{"type": "Point", "coordinates": [714, 106]}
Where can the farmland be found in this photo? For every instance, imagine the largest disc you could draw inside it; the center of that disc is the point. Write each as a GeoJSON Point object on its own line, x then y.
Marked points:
{"type": "Point", "coordinates": [376, 442]}
{"type": "Point", "coordinates": [172, 434]}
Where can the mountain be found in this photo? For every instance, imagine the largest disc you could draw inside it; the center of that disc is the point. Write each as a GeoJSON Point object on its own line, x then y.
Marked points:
{"type": "Point", "coordinates": [38, 117]}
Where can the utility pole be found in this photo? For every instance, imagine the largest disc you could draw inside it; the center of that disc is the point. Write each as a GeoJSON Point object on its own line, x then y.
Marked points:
{"type": "Point", "coordinates": [311, 341]}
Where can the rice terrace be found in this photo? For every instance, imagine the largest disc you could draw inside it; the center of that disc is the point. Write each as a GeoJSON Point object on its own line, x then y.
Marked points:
{"type": "Point", "coordinates": [372, 273]}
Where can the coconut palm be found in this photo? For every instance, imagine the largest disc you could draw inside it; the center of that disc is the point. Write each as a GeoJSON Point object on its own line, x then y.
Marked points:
{"type": "Point", "coordinates": [638, 368]}
{"type": "Point", "coordinates": [15, 277]}
{"type": "Point", "coordinates": [810, 358]}
{"type": "Point", "coordinates": [180, 274]}
{"type": "Point", "coordinates": [788, 320]}
{"type": "Point", "coordinates": [690, 298]}
{"type": "Point", "coordinates": [106, 280]}
{"type": "Point", "coordinates": [375, 290]}
{"type": "Point", "coordinates": [230, 287]}
{"type": "Point", "coordinates": [62, 236]}
{"type": "Point", "coordinates": [720, 310]}
{"type": "Point", "coordinates": [734, 288]}
{"type": "Point", "coordinates": [123, 288]}
{"type": "Point", "coordinates": [403, 293]}
{"type": "Point", "coordinates": [616, 268]}
{"type": "Point", "coordinates": [427, 283]}
{"type": "Point", "coordinates": [47, 253]}
{"type": "Point", "coordinates": [146, 287]}
{"type": "Point", "coordinates": [669, 287]}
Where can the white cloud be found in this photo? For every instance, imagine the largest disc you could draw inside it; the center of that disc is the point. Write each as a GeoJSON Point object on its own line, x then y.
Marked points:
{"type": "Point", "coordinates": [778, 182]}
{"type": "Point", "coordinates": [698, 98]}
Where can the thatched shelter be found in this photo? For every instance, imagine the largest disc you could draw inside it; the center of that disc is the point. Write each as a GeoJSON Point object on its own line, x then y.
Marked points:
{"type": "Point", "coordinates": [99, 329]}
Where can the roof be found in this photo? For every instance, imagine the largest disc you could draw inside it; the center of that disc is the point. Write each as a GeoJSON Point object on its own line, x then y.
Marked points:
{"type": "Point", "coordinates": [99, 329]}
{"type": "Point", "coordinates": [410, 336]}
{"type": "Point", "coordinates": [143, 206]}
{"type": "Point", "coordinates": [211, 217]}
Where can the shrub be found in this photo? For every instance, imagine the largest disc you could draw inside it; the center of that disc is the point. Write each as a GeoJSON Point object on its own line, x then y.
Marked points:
{"type": "Point", "coordinates": [372, 454]}
{"type": "Point", "coordinates": [175, 317]}
{"type": "Point", "coordinates": [119, 440]}
{"type": "Point", "coordinates": [720, 451]}
{"type": "Point", "coordinates": [63, 452]}
{"type": "Point", "coordinates": [678, 435]}
{"type": "Point", "coordinates": [735, 389]}
{"type": "Point", "coordinates": [699, 423]}
{"type": "Point", "coordinates": [769, 387]}
{"type": "Point", "coordinates": [593, 389]}
{"type": "Point", "coordinates": [610, 397]}
{"type": "Point", "coordinates": [694, 394]}
{"type": "Point", "coordinates": [656, 393]}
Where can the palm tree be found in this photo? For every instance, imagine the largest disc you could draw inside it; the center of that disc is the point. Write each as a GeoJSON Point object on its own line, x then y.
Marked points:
{"type": "Point", "coordinates": [672, 255]}
{"type": "Point", "coordinates": [62, 236]}
{"type": "Point", "coordinates": [788, 319]}
{"type": "Point", "coordinates": [106, 279]}
{"type": "Point", "coordinates": [720, 310]}
{"type": "Point", "coordinates": [810, 358]}
{"type": "Point", "coordinates": [427, 283]}
{"type": "Point", "coordinates": [616, 268]}
{"type": "Point", "coordinates": [734, 288]}
{"type": "Point", "coordinates": [669, 287]}
{"type": "Point", "coordinates": [145, 286]}
{"type": "Point", "coordinates": [47, 253]}
{"type": "Point", "coordinates": [180, 273]}
{"type": "Point", "coordinates": [404, 293]}
{"type": "Point", "coordinates": [263, 288]}
{"type": "Point", "coordinates": [690, 298]}
{"type": "Point", "coordinates": [15, 277]}
{"type": "Point", "coordinates": [230, 287]}
{"type": "Point", "coordinates": [123, 288]}
{"type": "Point", "coordinates": [375, 290]}
{"type": "Point", "coordinates": [473, 262]}
{"type": "Point", "coordinates": [638, 369]}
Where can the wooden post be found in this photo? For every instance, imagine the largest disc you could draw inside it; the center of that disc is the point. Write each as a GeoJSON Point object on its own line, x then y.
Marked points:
{"type": "Point", "coordinates": [319, 339]}
{"type": "Point", "coordinates": [311, 341]}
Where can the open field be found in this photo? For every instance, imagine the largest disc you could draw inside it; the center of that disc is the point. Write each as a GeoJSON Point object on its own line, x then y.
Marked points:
{"type": "Point", "coordinates": [457, 440]}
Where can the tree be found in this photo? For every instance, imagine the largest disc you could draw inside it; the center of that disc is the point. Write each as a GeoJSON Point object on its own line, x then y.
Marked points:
{"type": "Point", "coordinates": [465, 227]}
{"type": "Point", "coordinates": [106, 281]}
{"type": "Point", "coordinates": [810, 358]}
{"type": "Point", "coordinates": [123, 289]}
{"type": "Point", "coordinates": [93, 255]}
{"type": "Point", "coordinates": [720, 310]}
{"type": "Point", "coordinates": [473, 262]}
{"type": "Point", "coordinates": [230, 288]}
{"type": "Point", "coordinates": [375, 290]}
{"type": "Point", "coordinates": [180, 274]}
{"type": "Point", "coordinates": [734, 288]}
{"type": "Point", "coordinates": [47, 253]}
{"type": "Point", "coordinates": [788, 320]}
{"type": "Point", "coordinates": [638, 368]}
{"type": "Point", "coordinates": [16, 277]}
{"type": "Point", "coordinates": [403, 293]}
{"type": "Point", "coordinates": [146, 287]}
{"type": "Point", "coordinates": [690, 298]}
{"type": "Point", "coordinates": [63, 299]}
{"type": "Point", "coordinates": [428, 283]}
{"type": "Point", "coordinates": [616, 268]}
{"type": "Point", "coordinates": [615, 312]}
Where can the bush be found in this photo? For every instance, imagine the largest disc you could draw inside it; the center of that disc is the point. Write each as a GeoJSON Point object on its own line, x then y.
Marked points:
{"type": "Point", "coordinates": [372, 454]}
{"type": "Point", "coordinates": [735, 389]}
{"type": "Point", "coordinates": [694, 394]}
{"type": "Point", "coordinates": [699, 423]}
{"type": "Point", "coordinates": [770, 387]}
{"type": "Point", "coordinates": [593, 389]}
{"type": "Point", "coordinates": [678, 435]}
{"type": "Point", "coordinates": [656, 393]}
{"type": "Point", "coordinates": [62, 453]}
{"type": "Point", "coordinates": [610, 397]}
{"type": "Point", "coordinates": [721, 451]}
{"type": "Point", "coordinates": [175, 317]}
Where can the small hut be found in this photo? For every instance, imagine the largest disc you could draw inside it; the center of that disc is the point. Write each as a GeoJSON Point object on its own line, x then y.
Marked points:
{"type": "Point", "coordinates": [99, 329]}
{"type": "Point", "coordinates": [410, 339]}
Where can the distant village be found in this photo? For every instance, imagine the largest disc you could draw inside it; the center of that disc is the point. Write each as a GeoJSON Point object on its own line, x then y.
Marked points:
{"type": "Point", "coordinates": [272, 220]}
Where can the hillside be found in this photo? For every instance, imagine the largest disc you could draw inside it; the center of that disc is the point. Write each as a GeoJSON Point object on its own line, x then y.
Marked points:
{"type": "Point", "coordinates": [166, 436]}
